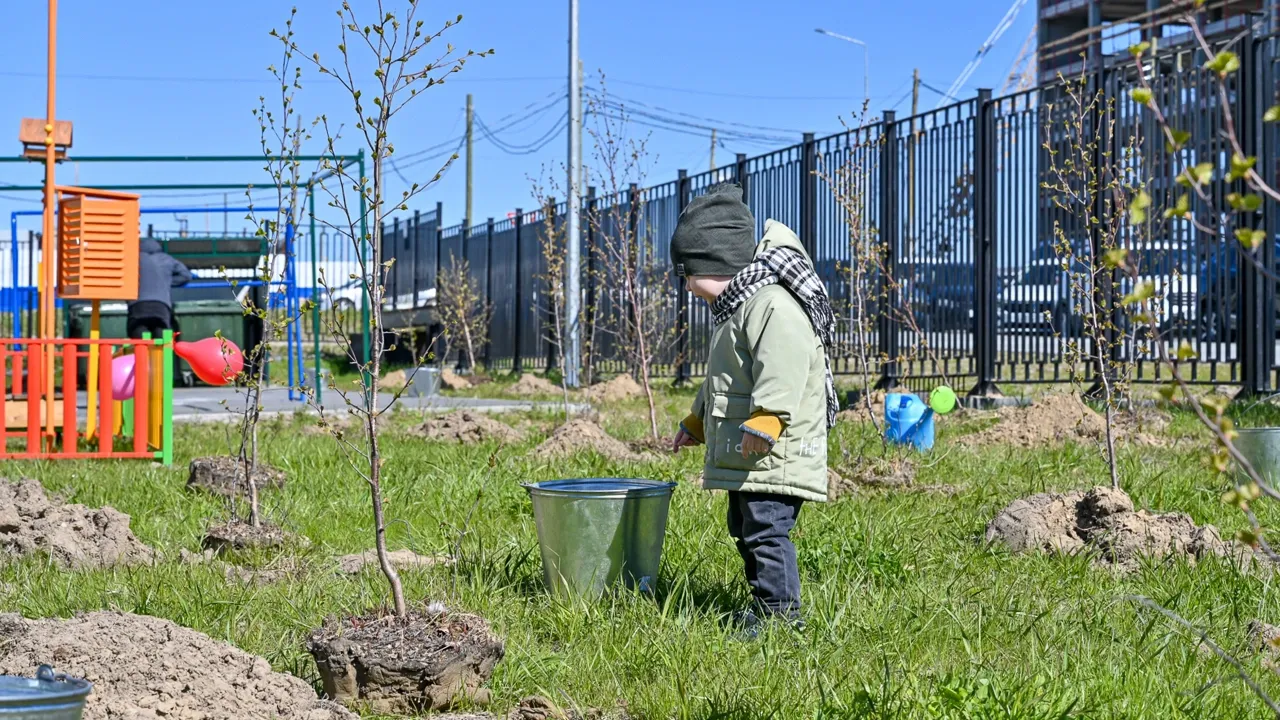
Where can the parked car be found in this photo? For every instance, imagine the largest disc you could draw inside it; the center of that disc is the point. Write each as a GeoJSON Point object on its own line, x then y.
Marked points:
{"type": "Point", "coordinates": [941, 293]}
{"type": "Point", "coordinates": [1043, 300]}
{"type": "Point", "coordinates": [1218, 304]}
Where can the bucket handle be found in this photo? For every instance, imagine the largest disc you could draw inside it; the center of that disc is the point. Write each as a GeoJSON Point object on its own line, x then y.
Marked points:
{"type": "Point", "coordinates": [46, 674]}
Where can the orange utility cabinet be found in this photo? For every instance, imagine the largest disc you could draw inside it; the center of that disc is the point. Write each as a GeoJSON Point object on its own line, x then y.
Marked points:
{"type": "Point", "coordinates": [97, 244]}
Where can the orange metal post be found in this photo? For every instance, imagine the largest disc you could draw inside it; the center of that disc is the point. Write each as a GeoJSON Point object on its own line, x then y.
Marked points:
{"type": "Point", "coordinates": [141, 392]}
{"type": "Point", "coordinates": [18, 367]}
{"type": "Point", "coordinates": [34, 396]}
{"type": "Point", "coordinates": [4, 393]}
{"type": "Point", "coordinates": [106, 421]}
{"type": "Point", "coordinates": [48, 326]}
{"type": "Point", "coordinates": [69, 398]}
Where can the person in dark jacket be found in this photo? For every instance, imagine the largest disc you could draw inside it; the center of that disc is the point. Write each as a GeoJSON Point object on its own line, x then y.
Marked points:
{"type": "Point", "coordinates": [158, 274]}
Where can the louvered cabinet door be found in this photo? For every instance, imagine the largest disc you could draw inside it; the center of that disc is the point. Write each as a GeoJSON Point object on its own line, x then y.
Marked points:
{"type": "Point", "coordinates": [97, 248]}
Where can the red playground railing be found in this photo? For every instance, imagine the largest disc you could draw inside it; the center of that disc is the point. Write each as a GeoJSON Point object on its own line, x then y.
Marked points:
{"type": "Point", "coordinates": [49, 415]}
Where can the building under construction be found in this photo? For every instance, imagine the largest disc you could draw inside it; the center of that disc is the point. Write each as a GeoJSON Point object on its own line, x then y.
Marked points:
{"type": "Point", "coordinates": [1079, 36]}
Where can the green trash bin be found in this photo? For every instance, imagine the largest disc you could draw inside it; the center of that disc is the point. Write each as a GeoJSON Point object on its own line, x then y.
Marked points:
{"type": "Point", "coordinates": [197, 319]}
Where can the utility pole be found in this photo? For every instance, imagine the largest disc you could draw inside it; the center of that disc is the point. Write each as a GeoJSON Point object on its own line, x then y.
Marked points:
{"type": "Point", "coordinates": [911, 164]}
{"type": "Point", "coordinates": [582, 89]}
{"type": "Point", "coordinates": [470, 155]}
{"type": "Point", "coordinates": [713, 149]}
{"type": "Point", "coordinates": [573, 258]}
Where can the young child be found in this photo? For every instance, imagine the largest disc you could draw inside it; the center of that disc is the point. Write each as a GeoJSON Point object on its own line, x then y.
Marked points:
{"type": "Point", "coordinates": [768, 400]}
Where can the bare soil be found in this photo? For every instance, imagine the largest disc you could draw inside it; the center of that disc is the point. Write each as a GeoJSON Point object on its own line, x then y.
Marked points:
{"type": "Point", "coordinates": [282, 568]}
{"type": "Point", "coordinates": [400, 559]}
{"type": "Point", "coordinates": [426, 662]}
{"type": "Point", "coordinates": [223, 475]}
{"type": "Point", "coordinates": [450, 380]}
{"type": "Point", "coordinates": [623, 387]}
{"type": "Point", "coordinates": [1065, 417]}
{"type": "Point", "coordinates": [235, 536]}
{"type": "Point", "coordinates": [581, 434]}
{"type": "Point", "coordinates": [74, 536]}
{"type": "Point", "coordinates": [468, 428]}
{"type": "Point", "coordinates": [857, 412]}
{"type": "Point", "coordinates": [1104, 521]}
{"type": "Point", "coordinates": [530, 385]}
{"type": "Point", "coordinates": [537, 707]}
{"type": "Point", "coordinates": [147, 667]}
{"type": "Point", "coordinates": [394, 380]}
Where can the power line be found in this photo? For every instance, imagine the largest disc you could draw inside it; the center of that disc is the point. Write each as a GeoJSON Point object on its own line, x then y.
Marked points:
{"type": "Point", "coordinates": [943, 93]}
{"type": "Point", "coordinates": [529, 148]}
{"type": "Point", "coordinates": [632, 113]}
{"type": "Point", "coordinates": [717, 123]}
{"type": "Point", "coordinates": [240, 80]}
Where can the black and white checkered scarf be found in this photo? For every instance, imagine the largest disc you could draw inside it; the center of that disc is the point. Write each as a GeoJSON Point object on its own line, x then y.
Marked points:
{"type": "Point", "coordinates": [791, 269]}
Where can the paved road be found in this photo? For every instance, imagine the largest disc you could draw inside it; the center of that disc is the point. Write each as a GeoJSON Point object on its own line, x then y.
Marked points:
{"type": "Point", "coordinates": [204, 404]}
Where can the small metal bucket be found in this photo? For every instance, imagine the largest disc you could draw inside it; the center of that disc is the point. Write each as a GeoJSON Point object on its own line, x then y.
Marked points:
{"type": "Point", "coordinates": [47, 696]}
{"type": "Point", "coordinates": [594, 532]}
{"type": "Point", "coordinates": [1261, 447]}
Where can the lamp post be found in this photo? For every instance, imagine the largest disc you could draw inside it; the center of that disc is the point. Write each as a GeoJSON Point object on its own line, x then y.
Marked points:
{"type": "Point", "coordinates": [866, 61]}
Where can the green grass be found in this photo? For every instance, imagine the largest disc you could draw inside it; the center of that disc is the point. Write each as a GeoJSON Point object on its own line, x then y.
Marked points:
{"type": "Point", "coordinates": [910, 615]}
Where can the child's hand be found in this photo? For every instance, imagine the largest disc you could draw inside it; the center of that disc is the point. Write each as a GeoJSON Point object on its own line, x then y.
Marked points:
{"type": "Point", "coordinates": [754, 445]}
{"type": "Point", "coordinates": [683, 439]}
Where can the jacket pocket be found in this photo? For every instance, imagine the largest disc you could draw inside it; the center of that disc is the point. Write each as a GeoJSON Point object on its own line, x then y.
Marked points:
{"type": "Point", "coordinates": [728, 412]}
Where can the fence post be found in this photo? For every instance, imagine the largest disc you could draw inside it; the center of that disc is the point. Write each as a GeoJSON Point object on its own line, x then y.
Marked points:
{"type": "Point", "coordinates": [809, 197]}
{"type": "Point", "coordinates": [741, 175]}
{"type": "Point", "coordinates": [682, 295]}
{"type": "Point", "coordinates": [517, 355]}
{"type": "Point", "coordinates": [588, 358]}
{"type": "Point", "coordinates": [984, 246]}
{"type": "Point", "coordinates": [464, 251]}
{"type": "Point", "coordinates": [417, 250]}
{"type": "Point", "coordinates": [1256, 328]}
{"type": "Point", "coordinates": [488, 296]}
{"type": "Point", "coordinates": [439, 334]}
{"type": "Point", "coordinates": [633, 239]}
{"type": "Point", "coordinates": [888, 327]}
{"type": "Point", "coordinates": [553, 337]}
{"type": "Point", "coordinates": [391, 278]}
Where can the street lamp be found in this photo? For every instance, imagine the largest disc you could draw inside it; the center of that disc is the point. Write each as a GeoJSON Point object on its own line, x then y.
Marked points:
{"type": "Point", "coordinates": [866, 62]}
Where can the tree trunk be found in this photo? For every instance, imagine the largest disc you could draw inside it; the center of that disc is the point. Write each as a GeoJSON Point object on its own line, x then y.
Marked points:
{"type": "Point", "coordinates": [377, 341]}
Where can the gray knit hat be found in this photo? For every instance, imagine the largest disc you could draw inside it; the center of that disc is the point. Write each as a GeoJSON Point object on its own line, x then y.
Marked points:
{"type": "Point", "coordinates": [715, 235]}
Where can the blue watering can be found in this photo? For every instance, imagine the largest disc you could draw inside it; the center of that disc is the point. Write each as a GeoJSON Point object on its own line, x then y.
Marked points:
{"type": "Point", "coordinates": [908, 420]}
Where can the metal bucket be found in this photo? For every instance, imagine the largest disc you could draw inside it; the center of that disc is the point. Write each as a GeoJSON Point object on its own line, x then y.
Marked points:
{"type": "Point", "coordinates": [1261, 447]}
{"type": "Point", "coordinates": [594, 532]}
{"type": "Point", "coordinates": [45, 697]}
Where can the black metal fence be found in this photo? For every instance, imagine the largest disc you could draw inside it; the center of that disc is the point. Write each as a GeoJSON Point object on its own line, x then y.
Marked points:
{"type": "Point", "coordinates": [957, 198]}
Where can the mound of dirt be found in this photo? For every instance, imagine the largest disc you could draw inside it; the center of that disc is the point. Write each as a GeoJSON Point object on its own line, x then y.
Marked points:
{"type": "Point", "coordinates": [394, 380]}
{"type": "Point", "coordinates": [1102, 520]}
{"type": "Point", "coordinates": [400, 560]}
{"type": "Point", "coordinates": [871, 473]}
{"type": "Point", "coordinates": [581, 434]}
{"type": "Point", "coordinates": [529, 385]}
{"type": "Point", "coordinates": [468, 428]}
{"type": "Point", "coordinates": [223, 476]}
{"type": "Point", "coordinates": [623, 387]}
{"type": "Point", "coordinates": [243, 536]}
{"type": "Point", "coordinates": [147, 667]}
{"type": "Point", "coordinates": [450, 380]}
{"type": "Point", "coordinates": [72, 535]}
{"type": "Point", "coordinates": [1062, 417]}
{"type": "Point", "coordinates": [425, 662]}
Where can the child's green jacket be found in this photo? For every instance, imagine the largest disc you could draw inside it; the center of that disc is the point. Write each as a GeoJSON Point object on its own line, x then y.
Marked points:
{"type": "Point", "coordinates": [766, 374]}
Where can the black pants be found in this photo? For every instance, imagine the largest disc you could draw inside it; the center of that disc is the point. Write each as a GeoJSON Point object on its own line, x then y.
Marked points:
{"type": "Point", "coordinates": [150, 317]}
{"type": "Point", "coordinates": [761, 525]}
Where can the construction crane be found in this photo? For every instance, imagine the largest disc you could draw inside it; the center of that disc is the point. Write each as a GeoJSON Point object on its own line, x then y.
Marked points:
{"type": "Point", "coordinates": [1001, 28]}
{"type": "Point", "coordinates": [1022, 75]}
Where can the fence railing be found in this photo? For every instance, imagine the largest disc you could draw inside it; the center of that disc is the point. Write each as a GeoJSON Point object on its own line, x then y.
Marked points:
{"type": "Point", "coordinates": [957, 198]}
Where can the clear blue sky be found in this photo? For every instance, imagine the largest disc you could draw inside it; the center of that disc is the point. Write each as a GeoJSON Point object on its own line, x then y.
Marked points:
{"type": "Point", "coordinates": [164, 77]}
